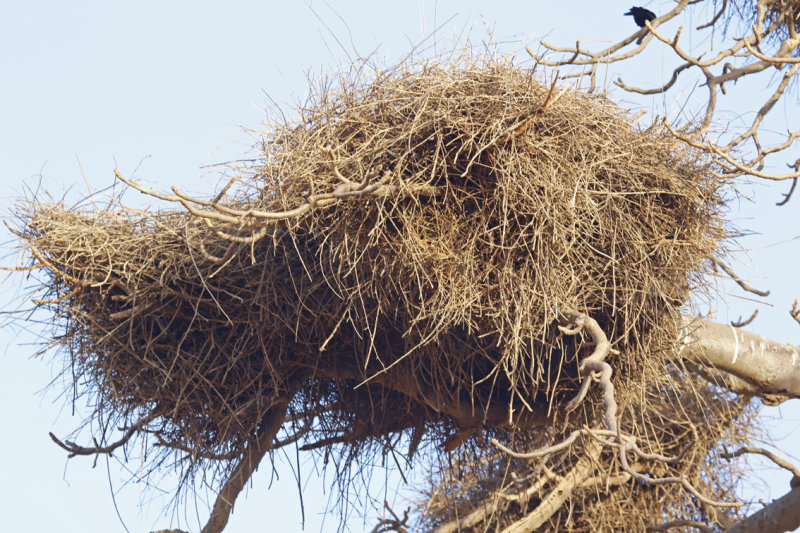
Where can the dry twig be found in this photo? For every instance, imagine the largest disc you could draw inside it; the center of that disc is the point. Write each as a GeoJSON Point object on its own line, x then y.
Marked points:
{"type": "Point", "coordinates": [742, 323]}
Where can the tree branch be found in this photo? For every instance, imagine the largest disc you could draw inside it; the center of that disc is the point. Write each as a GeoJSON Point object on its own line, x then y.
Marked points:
{"type": "Point", "coordinates": [744, 285]}
{"type": "Point", "coordinates": [781, 515]}
{"type": "Point", "coordinates": [582, 471]}
{"type": "Point", "coordinates": [75, 449]}
{"type": "Point", "coordinates": [770, 367]}
{"type": "Point", "coordinates": [783, 463]}
{"type": "Point", "coordinates": [256, 449]}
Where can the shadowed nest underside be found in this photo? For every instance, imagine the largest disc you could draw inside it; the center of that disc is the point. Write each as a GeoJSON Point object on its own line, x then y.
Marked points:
{"type": "Point", "coordinates": [435, 221]}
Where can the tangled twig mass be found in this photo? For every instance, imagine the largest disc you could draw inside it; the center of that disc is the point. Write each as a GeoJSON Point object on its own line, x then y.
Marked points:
{"type": "Point", "coordinates": [415, 260]}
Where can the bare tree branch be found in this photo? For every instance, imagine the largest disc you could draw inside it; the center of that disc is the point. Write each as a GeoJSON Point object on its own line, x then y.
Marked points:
{"type": "Point", "coordinates": [397, 524]}
{"type": "Point", "coordinates": [742, 323]}
{"type": "Point", "coordinates": [582, 471]}
{"type": "Point", "coordinates": [75, 449]}
{"type": "Point", "coordinates": [612, 437]}
{"type": "Point", "coordinates": [594, 364]}
{"type": "Point", "coordinates": [742, 57]}
{"type": "Point", "coordinates": [769, 455]}
{"type": "Point", "coordinates": [770, 367]}
{"type": "Point", "coordinates": [258, 446]}
{"type": "Point", "coordinates": [787, 196]}
{"type": "Point", "coordinates": [781, 515]}
{"type": "Point", "coordinates": [743, 284]}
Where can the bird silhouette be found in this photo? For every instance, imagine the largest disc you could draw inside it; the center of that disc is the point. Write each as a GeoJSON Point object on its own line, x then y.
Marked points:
{"type": "Point", "coordinates": [640, 15]}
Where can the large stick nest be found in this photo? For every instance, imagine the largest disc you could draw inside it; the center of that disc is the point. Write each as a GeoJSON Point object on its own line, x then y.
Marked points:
{"type": "Point", "coordinates": [445, 214]}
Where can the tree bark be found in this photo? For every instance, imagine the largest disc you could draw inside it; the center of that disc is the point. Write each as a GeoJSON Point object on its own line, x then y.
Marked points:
{"type": "Point", "coordinates": [769, 367]}
{"type": "Point", "coordinates": [781, 515]}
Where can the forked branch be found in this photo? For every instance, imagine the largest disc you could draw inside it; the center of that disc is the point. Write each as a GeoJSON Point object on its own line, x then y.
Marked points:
{"type": "Point", "coordinates": [75, 449]}
{"type": "Point", "coordinates": [743, 57]}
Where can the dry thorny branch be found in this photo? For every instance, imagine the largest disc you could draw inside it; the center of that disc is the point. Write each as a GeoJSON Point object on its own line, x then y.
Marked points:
{"type": "Point", "coordinates": [395, 523]}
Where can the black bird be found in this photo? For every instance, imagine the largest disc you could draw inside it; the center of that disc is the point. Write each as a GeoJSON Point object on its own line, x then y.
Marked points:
{"type": "Point", "coordinates": [640, 15]}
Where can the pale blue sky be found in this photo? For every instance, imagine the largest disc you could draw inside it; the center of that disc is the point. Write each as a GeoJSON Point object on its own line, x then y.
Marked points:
{"type": "Point", "coordinates": [161, 88]}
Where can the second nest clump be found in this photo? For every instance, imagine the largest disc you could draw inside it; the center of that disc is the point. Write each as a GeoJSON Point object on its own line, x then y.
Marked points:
{"type": "Point", "coordinates": [406, 249]}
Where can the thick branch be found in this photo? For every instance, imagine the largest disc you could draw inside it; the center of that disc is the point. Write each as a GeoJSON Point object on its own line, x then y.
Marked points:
{"type": "Point", "coordinates": [734, 384]}
{"type": "Point", "coordinates": [781, 515]}
{"type": "Point", "coordinates": [594, 364]}
{"type": "Point", "coordinates": [770, 367]}
{"type": "Point", "coordinates": [257, 448]}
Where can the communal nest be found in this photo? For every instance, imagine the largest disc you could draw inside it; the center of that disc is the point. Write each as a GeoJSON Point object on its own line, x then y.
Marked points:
{"type": "Point", "coordinates": [399, 259]}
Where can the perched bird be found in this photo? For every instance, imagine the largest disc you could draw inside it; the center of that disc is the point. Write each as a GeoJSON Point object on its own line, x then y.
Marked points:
{"type": "Point", "coordinates": [640, 15]}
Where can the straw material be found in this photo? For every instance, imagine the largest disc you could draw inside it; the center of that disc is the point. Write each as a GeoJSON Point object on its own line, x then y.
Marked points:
{"type": "Point", "coordinates": [439, 216]}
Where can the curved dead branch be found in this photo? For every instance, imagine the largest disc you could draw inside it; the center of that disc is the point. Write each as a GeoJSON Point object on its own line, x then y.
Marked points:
{"type": "Point", "coordinates": [742, 323]}
{"type": "Point", "coordinates": [230, 223]}
{"type": "Point", "coordinates": [594, 366]}
{"type": "Point", "coordinates": [743, 284]}
{"type": "Point", "coordinates": [788, 195]}
{"type": "Point", "coordinates": [783, 463]}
